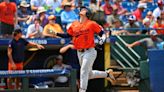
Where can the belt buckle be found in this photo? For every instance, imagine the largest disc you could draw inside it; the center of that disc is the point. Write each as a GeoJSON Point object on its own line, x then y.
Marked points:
{"type": "Point", "coordinates": [81, 50]}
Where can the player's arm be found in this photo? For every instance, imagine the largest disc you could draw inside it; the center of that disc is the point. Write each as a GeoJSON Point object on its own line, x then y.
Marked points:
{"type": "Point", "coordinates": [100, 31]}
{"type": "Point", "coordinates": [133, 44]}
{"type": "Point", "coordinates": [65, 48]}
{"type": "Point", "coordinates": [37, 45]}
{"type": "Point", "coordinates": [66, 35]}
{"type": "Point", "coordinates": [63, 35]}
{"type": "Point", "coordinates": [136, 43]}
{"type": "Point", "coordinates": [9, 53]}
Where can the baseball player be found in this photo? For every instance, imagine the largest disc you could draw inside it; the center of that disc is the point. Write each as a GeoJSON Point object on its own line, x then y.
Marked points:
{"type": "Point", "coordinates": [16, 55]}
{"type": "Point", "coordinates": [82, 33]}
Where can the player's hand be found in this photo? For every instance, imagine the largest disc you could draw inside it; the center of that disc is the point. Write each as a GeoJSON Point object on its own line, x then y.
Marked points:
{"type": "Point", "coordinates": [129, 45]}
{"type": "Point", "coordinates": [13, 66]}
{"type": "Point", "coordinates": [40, 46]}
{"type": "Point", "coordinates": [102, 39]}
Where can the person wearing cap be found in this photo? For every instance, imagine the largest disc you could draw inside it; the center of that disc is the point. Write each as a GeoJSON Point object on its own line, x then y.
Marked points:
{"type": "Point", "coordinates": [35, 30]}
{"type": "Point", "coordinates": [132, 24]}
{"type": "Point", "coordinates": [159, 9]}
{"type": "Point", "coordinates": [35, 4]}
{"type": "Point", "coordinates": [59, 65]}
{"type": "Point", "coordinates": [68, 15]}
{"type": "Point", "coordinates": [138, 12]}
{"type": "Point", "coordinates": [23, 14]}
{"type": "Point", "coordinates": [41, 13]}
{"type": "Point", "coordinates": [16, 54]}
{"type": "Point", "coordinates": [146, 26]}
{"type": "Point", "coordinates": [8, 18]}
{"type": "Point", "coordinates": [52, 27]}
{"type": "Point", "coordinates": [150, 42]}
{"type": "Point", "coordinates": [159, 26]}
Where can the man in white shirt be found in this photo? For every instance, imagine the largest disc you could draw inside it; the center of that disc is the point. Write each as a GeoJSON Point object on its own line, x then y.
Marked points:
{"type": "Point", "coordinates": [35, 4]}
{"type": "Point", "coordinates": [59, 65]}
{"type": "Point", "coordinates": [159, 9]}
{"type": "Point", "coordinates": [35, 30]}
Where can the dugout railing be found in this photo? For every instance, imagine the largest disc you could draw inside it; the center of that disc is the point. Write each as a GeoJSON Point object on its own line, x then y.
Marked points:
{"type": "Point", "coordinates": [26, 74]}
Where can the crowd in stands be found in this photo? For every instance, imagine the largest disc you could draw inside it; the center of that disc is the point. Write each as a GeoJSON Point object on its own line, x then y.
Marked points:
{"type": "Point", "coordinates": [41, 18]}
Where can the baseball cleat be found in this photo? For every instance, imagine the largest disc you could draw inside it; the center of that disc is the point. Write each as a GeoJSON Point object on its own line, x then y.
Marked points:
{"type": "Point", "coordinates": [110, 74]}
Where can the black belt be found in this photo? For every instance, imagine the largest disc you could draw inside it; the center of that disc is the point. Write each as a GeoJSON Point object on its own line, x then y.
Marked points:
{"type": "Point", "coordinates": [83, 50]}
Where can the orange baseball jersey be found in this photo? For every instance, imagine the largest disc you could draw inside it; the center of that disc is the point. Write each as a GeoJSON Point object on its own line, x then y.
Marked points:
{"type": "Point", "coordinates": [7, 12]}
{"type": "Point", "coordinates": [83, 33]}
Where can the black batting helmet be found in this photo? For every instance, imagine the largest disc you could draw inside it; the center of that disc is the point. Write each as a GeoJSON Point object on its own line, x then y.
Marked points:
{"type": "Point", "coordinates": [88, 13]}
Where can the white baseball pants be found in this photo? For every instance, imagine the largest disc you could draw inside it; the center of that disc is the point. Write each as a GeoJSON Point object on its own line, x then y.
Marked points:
{"type": "Point", "coordinates": [86, 60]}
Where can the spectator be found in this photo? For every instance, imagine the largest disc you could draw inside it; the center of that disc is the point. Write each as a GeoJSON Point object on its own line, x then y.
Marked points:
{"type": "Point", "coordinates": [94, 7]}
{"type": "Point", "coordinates": [23, 14]}
{"type": "Point", "coordinates": [72, 3]}
{"type": "Point", "coordinates": [113, 16]}
{"type": "Point", "coordinates": [59, 65]}
{"type": "Point", "coordinates": [43, 16]}
{"type": "Point", "coordinates": [35, 30]}
{"type": "Point", "coordinates": [146, 26]}
{"type": "Point", "coordinates": [41, 13]}
{"type": "Point", "coordinates": [138, 12]}
{"type": "Point", "coordinates": [8, 18]}
{"type": "Point", "coordinates": [116, 28]}
{"type": "Point", "coordinates": [132, 24]}
{"type": "Point", "coordinates": [159, 9]}
{"type": "Point", "coordinates": [54, 4]}
{"type": "Point", "coordinates": [78, 8]}
{"type": "Point", "coordinates": [35, 4]}
{"type": "Point", "coordinates": [150, 42]}
{"type": "Point", "coordinates": [68, 15]}
{"type": "Point", "coordinates": [117, 5]}
{"type": "Point", "coordinates": [149, 15]}
{"type": "Point", "coordinates": [159, 26]}
{"type": "Point", "coordinates": [108, 10]}
{"type": "Point", "coordinates": [52, 27]}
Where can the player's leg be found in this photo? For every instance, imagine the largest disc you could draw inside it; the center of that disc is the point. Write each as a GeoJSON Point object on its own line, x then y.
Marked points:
{"type": "Point", "coordinates": [18, 80]}
{"type": "Point", "coordinates": [10, 80]}
{"type": "Point", "coordinates": [87, 61]}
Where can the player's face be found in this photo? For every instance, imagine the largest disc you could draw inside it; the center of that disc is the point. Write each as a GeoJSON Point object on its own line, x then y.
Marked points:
{"type": "Point", "coordinates": [19, 35]}
{"type": "Point", "coordinates": [83, 12]}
